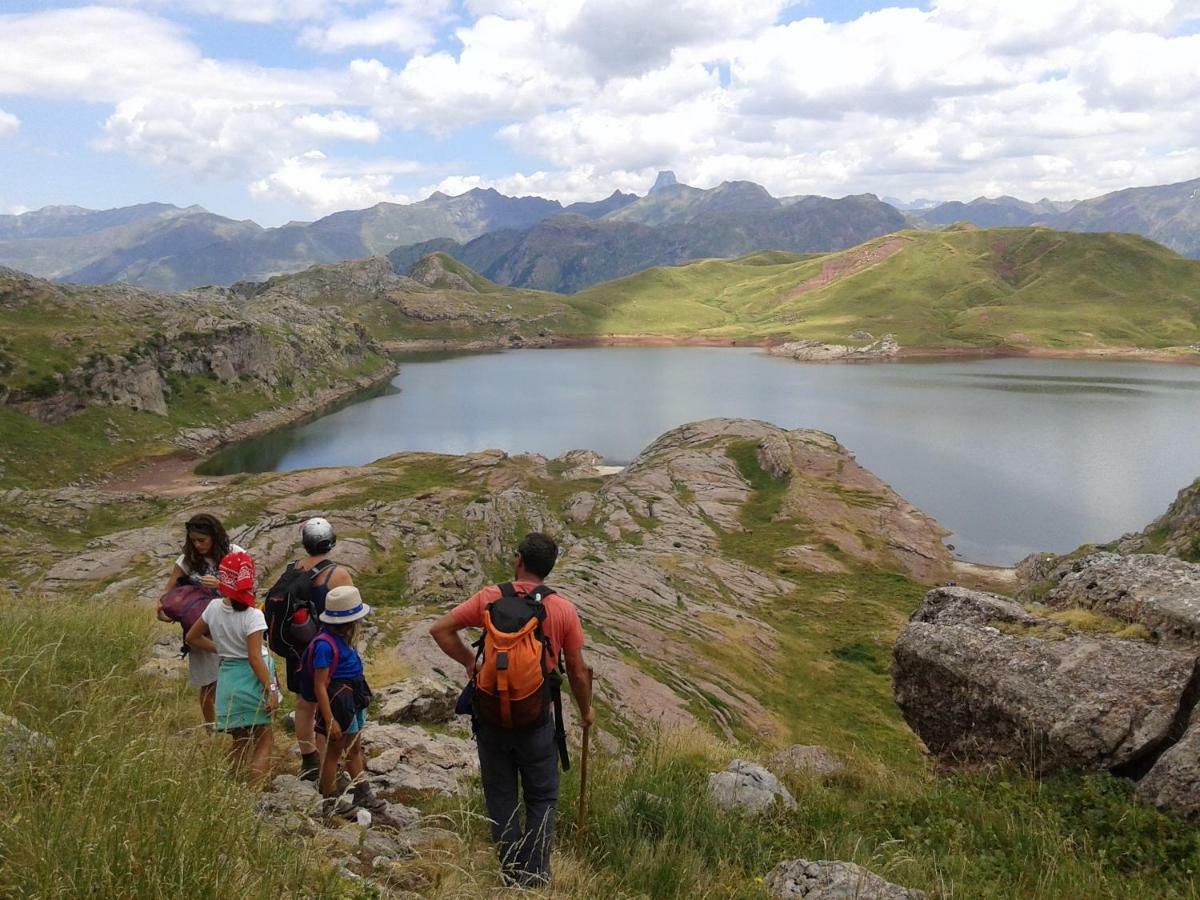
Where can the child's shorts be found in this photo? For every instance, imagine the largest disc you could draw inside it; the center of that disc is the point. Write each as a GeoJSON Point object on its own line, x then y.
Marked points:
{"type": "Point", "coordinates": [346, 702]}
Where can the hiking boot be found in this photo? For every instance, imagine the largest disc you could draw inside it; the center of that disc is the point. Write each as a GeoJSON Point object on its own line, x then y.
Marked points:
{"type": "Point", "coordinates": [364, 799]}
{"type": "Point", "coordinates": [310, 766]}
{"type": "Point", "coordinates": [337, 805]}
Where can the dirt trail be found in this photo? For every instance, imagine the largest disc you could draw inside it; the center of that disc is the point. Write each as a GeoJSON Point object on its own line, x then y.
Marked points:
{"type": "Point", "coordinates": [172, 475]}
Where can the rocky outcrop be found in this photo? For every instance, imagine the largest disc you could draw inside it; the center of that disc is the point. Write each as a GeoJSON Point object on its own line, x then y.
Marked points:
{"type": "Point", "coordinates": [406, 757]}
{"type": "Point", "coordinates": [973, 692]}
{"type": "Point", "coordinates": [829, 880]}
{"type": "Point", "coordinates": [980, 678]}
{"type": "Point", "coordinates": [210, 333]}
{"type": "Point", "coordinates": [1159, 592]}
{"type": "Point", "coordinates": [816, 351]}
{"type": "Point", "coordinates": [432, 271]}
{"type": "Point", "coordinates": [1175, 533]}
{"type": "Point", "coordinates": [747, 787]}
{"type": "Point", "coordinates": [658, 554]}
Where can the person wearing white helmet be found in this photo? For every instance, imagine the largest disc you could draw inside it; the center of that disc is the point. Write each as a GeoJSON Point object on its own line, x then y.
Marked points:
{"type": "Point", "coordinates": [319, 539]}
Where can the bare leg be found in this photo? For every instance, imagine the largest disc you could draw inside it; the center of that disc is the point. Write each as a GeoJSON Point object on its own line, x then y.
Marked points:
{"type": "Point", "coordinates": [306, 720]}
{"type": "Point", "coordinates": [355, 764]}
{"type": "Point", "coordinates": [208, 703]}
{"type": "Point", "coordinates": [260, 762]}
{"type": "Point", "coordinates": [329, 766]}
{"type": "Point", "coordinates": [239, 749]}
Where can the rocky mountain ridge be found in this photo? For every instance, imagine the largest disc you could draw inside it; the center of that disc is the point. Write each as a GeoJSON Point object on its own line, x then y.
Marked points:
{"type": "Point", "coordinates": [165, 247]}
{"type": "Point", "coordinates": [567, 254]}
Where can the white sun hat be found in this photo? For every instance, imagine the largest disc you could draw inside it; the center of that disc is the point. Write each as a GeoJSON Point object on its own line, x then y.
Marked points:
{"type": "Point", "coordinates": [344, 604]}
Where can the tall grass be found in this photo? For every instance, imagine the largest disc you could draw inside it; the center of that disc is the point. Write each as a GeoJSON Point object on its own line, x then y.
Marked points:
{"type": "Point", "coordinates": [653, 833]}
{"type": "Point", "coordinates": [132, 801]}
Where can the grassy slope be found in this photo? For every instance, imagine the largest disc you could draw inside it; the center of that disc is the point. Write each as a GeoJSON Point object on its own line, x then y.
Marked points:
{"type": "Point", "coordinates": [132, 801]}
{"type": "Point", "coordinates": [955, 288]}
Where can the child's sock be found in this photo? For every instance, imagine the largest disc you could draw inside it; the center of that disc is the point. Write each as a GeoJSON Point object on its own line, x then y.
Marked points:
{"type": "Point", "coordinates": [310, 766]}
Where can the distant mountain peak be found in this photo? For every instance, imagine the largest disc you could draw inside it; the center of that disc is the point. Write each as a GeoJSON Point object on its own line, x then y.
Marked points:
{"type": "Point", "coordinates": [666, 178]}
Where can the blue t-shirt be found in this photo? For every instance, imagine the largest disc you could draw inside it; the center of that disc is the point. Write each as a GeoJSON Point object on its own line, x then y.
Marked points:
{"type": "Point", "coordinates": [349, 662]}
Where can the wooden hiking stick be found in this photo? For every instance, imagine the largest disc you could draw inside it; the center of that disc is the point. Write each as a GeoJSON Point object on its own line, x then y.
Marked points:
{"type": "Point", "coordinates": [581, 823]}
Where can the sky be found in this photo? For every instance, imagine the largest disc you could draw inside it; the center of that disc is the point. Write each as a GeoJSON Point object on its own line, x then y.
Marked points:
{"type": "Point", "coordinates": [278, 110]}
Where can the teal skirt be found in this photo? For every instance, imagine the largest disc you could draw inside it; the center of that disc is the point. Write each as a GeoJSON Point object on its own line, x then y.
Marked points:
{"type": "Point", "coordinates": [240, 702]}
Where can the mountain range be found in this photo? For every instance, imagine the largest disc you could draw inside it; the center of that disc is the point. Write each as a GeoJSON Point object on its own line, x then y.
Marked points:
{"type": "Point", "coordinates": [536, 243]}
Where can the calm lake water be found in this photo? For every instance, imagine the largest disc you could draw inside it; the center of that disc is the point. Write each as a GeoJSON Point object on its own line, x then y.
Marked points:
{"type": "Point", "coordinates": [1012, 455]}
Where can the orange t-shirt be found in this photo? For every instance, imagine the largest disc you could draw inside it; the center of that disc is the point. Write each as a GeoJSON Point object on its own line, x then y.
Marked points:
{"type": "Point", "coordinates": [561, 626]}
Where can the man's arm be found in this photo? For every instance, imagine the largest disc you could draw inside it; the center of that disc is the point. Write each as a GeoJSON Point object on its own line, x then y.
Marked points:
{"type": "Point", "coordinates": [581, 684]}
{"type": "Point", "coordinates": [445, 632]}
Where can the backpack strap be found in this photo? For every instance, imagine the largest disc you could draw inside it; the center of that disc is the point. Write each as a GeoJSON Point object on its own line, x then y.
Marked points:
{"type": "Point", "coordinates": [539, 595]}
{"type": "Point", "coordinates": [310, 653]}
{"type": "Point", "coordinates": [325, 565]}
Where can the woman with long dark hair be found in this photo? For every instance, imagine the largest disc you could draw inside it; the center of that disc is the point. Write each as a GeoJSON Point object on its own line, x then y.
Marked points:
{"type": "Point", "coordinates": [205, 544]}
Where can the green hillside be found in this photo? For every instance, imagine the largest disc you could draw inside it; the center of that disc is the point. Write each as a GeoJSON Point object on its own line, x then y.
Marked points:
{"type": "Point", "coordinates": [959, 288]}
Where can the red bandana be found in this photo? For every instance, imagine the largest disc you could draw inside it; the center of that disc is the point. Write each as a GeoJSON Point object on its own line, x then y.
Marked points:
{"type": "Point", "coordinates": [236, 575]}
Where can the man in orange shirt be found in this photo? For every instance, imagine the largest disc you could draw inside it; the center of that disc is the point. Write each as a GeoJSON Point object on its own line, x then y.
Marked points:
{"type": "Point", "coordinates": [528, 755]}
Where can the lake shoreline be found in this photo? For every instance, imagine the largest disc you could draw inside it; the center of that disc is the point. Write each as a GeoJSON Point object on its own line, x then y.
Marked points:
{"type": "Point", "coordinates": [175, 471]}
{"type": "Point", "coordinates": [1103, 354]}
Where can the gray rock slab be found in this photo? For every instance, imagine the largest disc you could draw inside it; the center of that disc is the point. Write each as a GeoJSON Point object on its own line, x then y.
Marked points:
{"type": "Point", "coordinates": [830, 880]}
{"type": "Point", "coordinates": [747, 787]}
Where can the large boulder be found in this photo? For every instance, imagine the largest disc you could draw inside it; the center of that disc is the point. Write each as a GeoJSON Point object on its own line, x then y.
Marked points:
{"type": "Point", "coordinates": [1160, 592]}
{"type": "Point", "coordinates": [1174, 781]}
{"type": "Point", "coordinates": [976, 692]}
{"type": "Point", "coordinates": [828, 880]}
{"type": "Point", "coordinates": [747, 787]}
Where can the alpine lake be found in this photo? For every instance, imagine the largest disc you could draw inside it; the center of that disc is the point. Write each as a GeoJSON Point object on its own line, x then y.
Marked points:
{"type": "Point", "coordinates": [1012, 455]}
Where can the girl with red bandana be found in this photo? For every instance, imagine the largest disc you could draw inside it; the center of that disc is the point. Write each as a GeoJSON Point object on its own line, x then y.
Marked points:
{"type": "Point", "coordinates": [247, 691]}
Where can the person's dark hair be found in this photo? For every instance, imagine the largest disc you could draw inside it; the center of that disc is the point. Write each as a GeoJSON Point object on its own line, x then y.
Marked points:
{"type": "Point", "coordinates": [538, 552]}
{"type": "Point", "coordinates": [212, 527]}
{"type": "Point", "coordinates": [238, 605]}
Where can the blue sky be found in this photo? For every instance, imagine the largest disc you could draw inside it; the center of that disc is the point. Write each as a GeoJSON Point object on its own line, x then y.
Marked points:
{"type": "Point", "coordinates": [290, 109]}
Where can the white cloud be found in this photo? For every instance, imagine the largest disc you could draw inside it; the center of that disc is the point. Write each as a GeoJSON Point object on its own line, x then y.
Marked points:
{"type": "Point", "coordinates": [325, 186]}
{"type": "Point", "coordinates": [1062, 97]}
{"type": "Point", "coordinates": [338, 124]}
{"type": "Point", "coordinates": [8, 124]}
{"type": "Point", "coordinates": [628, 37]}
{"type": "Point", "coordinates": [84, 54]}
{"type": "Point", "coordinates": [406, 25]}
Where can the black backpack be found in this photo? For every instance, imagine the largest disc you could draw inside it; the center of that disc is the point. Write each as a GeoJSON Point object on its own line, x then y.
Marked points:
{"type": "Point", "coordinates": [289, 595]}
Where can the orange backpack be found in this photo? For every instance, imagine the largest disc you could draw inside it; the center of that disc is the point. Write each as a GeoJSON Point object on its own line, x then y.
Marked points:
{"type": "Point", "coordinates": [514, 687]}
